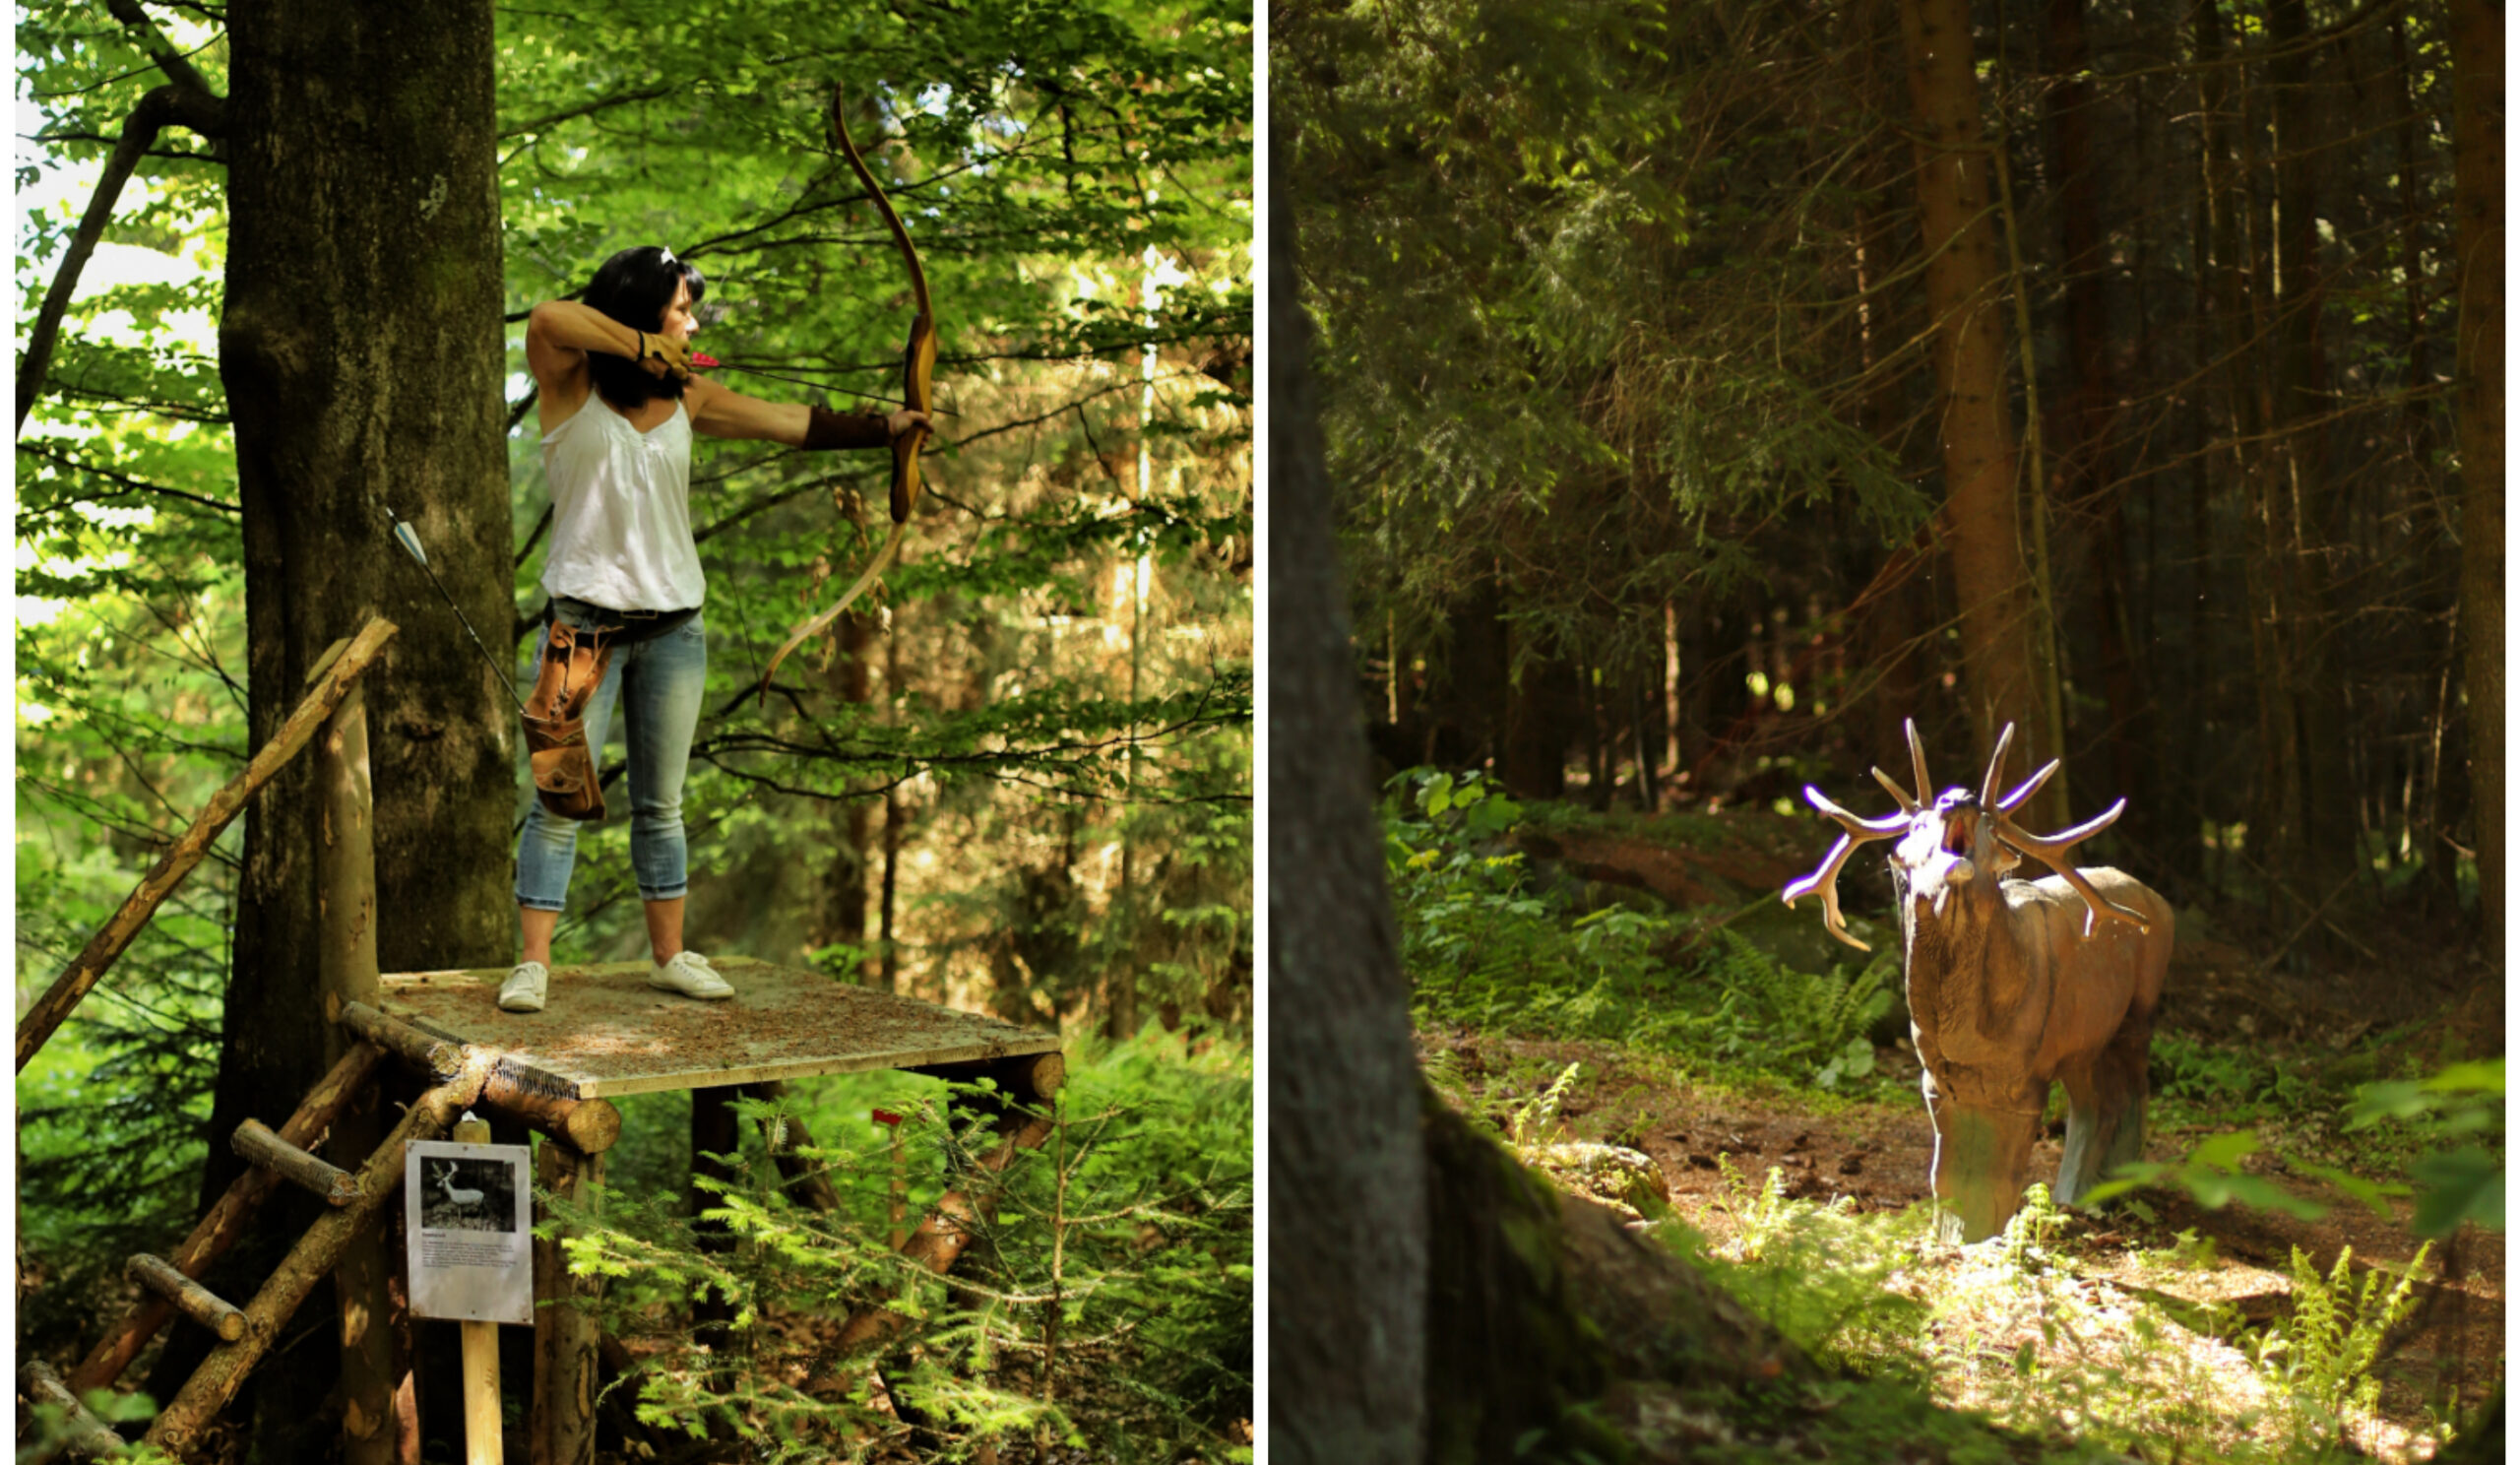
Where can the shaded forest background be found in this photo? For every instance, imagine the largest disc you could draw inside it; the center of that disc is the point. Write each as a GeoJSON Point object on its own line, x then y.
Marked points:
{"type": "Point", "coordinates": [1019, 780]}
{"type": "Point", "coordinates": [1712, 388]}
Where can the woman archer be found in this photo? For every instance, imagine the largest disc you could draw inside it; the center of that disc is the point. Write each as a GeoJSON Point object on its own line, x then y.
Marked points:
{"type": "Point", "coordinates": [618, 405]}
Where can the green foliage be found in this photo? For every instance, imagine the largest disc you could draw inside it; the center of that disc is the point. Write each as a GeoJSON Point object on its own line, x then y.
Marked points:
{"type": "Point", "coordinates": [1105, 1301]}
{"type": "Point", "coordinates": [2322, 1355]}
{"type": "Point", "coordinates": [2018, 1327]}
{"type": "Point", "coordinates": [1571, 308]}
{"type": "Point", "coordinates": [1535, 1117]}
{"type": "Point", "coordinates": [2212, 1174]}
{"type": "Point", "coordinates": [2238, 1082]}
{"type": "Point", "coordinates": [2460, 1106]}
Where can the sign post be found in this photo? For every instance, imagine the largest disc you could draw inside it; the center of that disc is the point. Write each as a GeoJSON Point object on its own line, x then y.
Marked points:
{"type": "Point", "coordinates": [469, 1213]}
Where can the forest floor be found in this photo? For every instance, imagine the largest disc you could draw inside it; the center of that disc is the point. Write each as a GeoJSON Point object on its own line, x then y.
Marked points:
{"type": "Point", "coordinates": [2214, 1280]}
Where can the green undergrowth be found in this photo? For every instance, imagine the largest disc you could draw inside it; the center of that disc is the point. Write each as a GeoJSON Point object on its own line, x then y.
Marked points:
{"type": "Point", "coordinates": [2020, 1332]}
{"type": "Point", "coordinates": [1488, 949]}
{"type": "Point", "coordinates": [1105, 1302]}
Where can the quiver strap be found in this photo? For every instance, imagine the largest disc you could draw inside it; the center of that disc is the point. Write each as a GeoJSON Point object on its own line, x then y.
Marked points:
{"type": "Point", "coordinates": [555, 725]}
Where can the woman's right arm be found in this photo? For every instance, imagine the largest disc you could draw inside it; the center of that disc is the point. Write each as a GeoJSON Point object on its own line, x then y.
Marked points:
{"type": "Point", "coordinates": [559, 334]}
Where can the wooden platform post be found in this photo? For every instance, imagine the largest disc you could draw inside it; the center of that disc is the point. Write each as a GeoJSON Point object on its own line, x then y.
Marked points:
{"type": "Point", "coordinates": [1023, 1117]}
{"type": "Point", "coordinates": [713, 1131]}
{"type": "Point", "coordinates": [346, 946]}
{"type": "Point", "coordinates": [565, 1334]}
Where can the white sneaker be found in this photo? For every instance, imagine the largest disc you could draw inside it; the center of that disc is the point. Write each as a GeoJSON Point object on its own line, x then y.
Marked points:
{"type": "Point", "coordinates": [527, 984]}
{"type": "Point", "coordinates": [689, 973]}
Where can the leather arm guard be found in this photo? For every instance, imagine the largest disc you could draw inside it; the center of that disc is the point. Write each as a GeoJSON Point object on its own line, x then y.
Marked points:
{"type": "Point", "coordinates": [555, 728]}
{"type": "Point", "coordinates": [825, 429]}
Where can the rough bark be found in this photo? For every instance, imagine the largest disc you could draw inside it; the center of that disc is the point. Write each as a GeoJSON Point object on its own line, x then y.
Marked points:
{"type": "Point", "coordinates": [1965, 292]}
{"type": "Point", "coordinates": [188, 1297]}
{"type": "Point", "coordinates": [2477, 82]}
{"type": "Point", "coordinates": [363, 351]}
{"type": "Point", "coordinates": [588, 1125]}
{"type": "Point", "coordinates": [1347, 1199]}
{"type": "Point", "coordinates": [713, 1131]}
{"type": "Point", "coordinates": [259, 1145]}
{"type": "Point", "coordinates": [345, 938]}
{"type": "Point", "coordinates": [88, 1437]}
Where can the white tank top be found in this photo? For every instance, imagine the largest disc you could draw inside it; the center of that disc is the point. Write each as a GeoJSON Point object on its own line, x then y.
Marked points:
{"type": "Point", "coordinates": [621, 511]}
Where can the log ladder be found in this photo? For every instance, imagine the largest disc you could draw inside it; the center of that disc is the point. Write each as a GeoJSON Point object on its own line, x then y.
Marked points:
{"type": "Point", "coordinates": [460, 1075]}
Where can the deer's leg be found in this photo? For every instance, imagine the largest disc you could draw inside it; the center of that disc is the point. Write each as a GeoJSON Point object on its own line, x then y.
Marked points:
{"type": "Point", "coordinates": [2104, 1110]}
{"type": "Point", "coordinates": [1980, 1157]}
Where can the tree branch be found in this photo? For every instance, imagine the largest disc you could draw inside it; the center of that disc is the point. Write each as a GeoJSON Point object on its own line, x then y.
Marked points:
{"type": "Point", "coordinates": [185, 103]}
{"type": "Point", "coordinates": [137, 486]}
{"type": "Point", "coordinates": [177, 65]}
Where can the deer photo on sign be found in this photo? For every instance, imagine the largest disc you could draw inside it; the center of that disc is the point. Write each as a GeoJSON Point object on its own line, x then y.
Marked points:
{"type": "Point", "coordinates": [469, 1195]}
{"type": "Point", "coordinates": [2013, 985]}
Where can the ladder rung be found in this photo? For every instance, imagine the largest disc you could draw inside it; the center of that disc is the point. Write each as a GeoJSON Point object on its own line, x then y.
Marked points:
{"type": "Point", "coordinates": [257, 1143]}
{"type": "Point", "coordinates": [190, 1298]}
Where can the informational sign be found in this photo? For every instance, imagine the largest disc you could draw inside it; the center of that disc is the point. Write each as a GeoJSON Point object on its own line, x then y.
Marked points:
{"type": "Point", "coordinates": [468, 1210]}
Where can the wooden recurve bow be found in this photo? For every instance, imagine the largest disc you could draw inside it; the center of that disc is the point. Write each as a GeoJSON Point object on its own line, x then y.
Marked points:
{"type": "Point", "coordinates": [919, 368]}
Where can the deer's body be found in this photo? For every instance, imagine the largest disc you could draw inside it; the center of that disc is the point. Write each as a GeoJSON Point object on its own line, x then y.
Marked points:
{"type": "Point", "coordinates": [465, 1198]}
{"type": "Point", "coordinates": [2013, 985]}
{"type": "Point", "coordinates": [2005, 997]}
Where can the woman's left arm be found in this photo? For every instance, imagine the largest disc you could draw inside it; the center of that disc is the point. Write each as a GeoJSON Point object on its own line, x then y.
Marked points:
{"type": "Point", "coordinates": [722, 412]}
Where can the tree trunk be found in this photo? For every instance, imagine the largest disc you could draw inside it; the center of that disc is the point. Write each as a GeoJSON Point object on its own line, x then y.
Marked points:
{"type": "Point", "coordinates": [362, 348]}
{"type": "Point", "coordinates": [2321, 844]}
{"type": "Point", "coordinates": [1543, 709]}
{"type": "Point", "coordinates": [2081, 464]}
{"type": "Point", "coordinates": [2477, 82]}
{"type": "Point", "coordinates": [1965, 291]}
{"type": "Point", "coordinates": [1347, 1197]}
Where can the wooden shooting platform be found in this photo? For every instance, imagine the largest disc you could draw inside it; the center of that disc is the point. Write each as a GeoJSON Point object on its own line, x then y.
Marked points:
{"type": "Point", "coordinates": [603, 1032]}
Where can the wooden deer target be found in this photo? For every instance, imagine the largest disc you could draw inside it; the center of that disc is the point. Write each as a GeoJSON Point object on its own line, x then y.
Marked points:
{"type": "Point", "coordinates": [2012, 985]}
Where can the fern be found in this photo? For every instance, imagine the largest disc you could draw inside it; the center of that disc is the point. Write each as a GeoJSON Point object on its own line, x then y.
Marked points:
{"type": "Point", "coordinates": [2322, 1358]}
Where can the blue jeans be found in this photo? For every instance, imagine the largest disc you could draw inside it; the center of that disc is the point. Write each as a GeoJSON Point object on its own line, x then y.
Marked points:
{"type": "Point", "coordinates": [658, 683]}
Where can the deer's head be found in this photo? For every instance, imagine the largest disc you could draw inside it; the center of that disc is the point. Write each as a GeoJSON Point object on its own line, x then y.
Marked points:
{"type": "Point", "coordinates": [1956, 847]}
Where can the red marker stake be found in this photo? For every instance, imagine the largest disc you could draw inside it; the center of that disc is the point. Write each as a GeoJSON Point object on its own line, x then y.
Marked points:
{"type": "Point", "coordinates": [900, 1178]}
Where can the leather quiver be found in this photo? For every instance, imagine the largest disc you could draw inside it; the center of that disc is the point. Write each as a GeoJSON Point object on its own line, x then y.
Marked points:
{"type": "Point", "coordinates": [572, 667]}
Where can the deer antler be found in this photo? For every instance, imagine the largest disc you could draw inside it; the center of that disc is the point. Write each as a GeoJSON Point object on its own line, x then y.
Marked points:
{"type": "Point", "coordinates": [2054, 852]}
{"type": "Point", "coordinates": [1859, 831]}
{"type": "Point", "coordinates": [1995, 777]}
{"type": "Point", "coordinates": [1917, 756]}
{"type": "Point", "coordinates": [1996, 769]}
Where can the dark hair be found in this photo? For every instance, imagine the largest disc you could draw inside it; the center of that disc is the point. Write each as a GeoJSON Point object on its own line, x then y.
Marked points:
{"type": "Point", "coordinates": [634, 287]}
